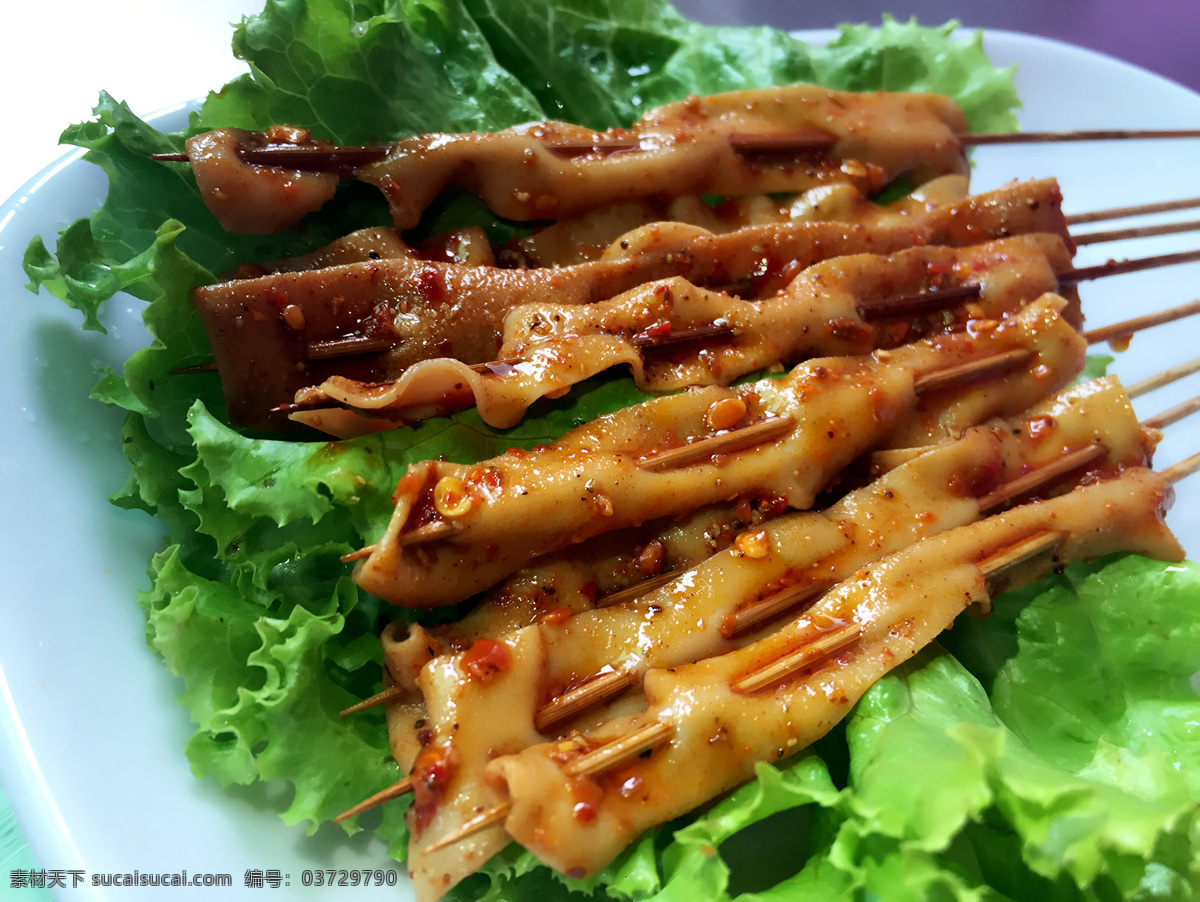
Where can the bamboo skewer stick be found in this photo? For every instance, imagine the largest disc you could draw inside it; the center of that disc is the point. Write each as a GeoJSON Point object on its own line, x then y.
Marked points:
{"type": "Point", "coordinates": [794, 596]}
{"type": "Point", "coordinates": [637, 589]}
{"type": "Point", "coordinates": [1165, 206]}
{"type": "Point", "coordinates": [392, 693]}
{"type": "Point", "coordinates": [725, 443]}
{"type": "Point", "coordinates": [1174, 414]}
{"type": "Point", "coordinates": [397, 789]}
{"type": "Point", "coordinates": [1128, 327]}
{"type": "Point", "coordinates": [379, 698]}
{"type": "Point", "coordinates": [596, 689]}
{"type": "Point", "coordinates": [1183, 469]}
{"type": "Point", "coordinates": [1138, 264]}
{"type": "Point", "coordinates": [918, 303]}
{"type": "Point", "coordinates": [1166, 377]}
{"type": "Point", "coordinates": [802, 657]}
{"type": "Point", "coordinates": [609, 755]}
{"type": "Point", "coordinates": [766, 608]}
{"type": "Point", "coordinates": [429, 533]}
{"type": "Point", "coordinates": [476, 824]}
{"type": "Point", "coordinates": [1150, 231]}
{"type": "Point", "coordinates": [1031, 481]}
{"type": "Point", "coordinates": [1035, 545]}
{"type": "Point", "coordinates": [1079, 134]}
{"type": "Point", "coordinates": [347, 158]}
{"type": "Point", "coordinates": [976, 369]}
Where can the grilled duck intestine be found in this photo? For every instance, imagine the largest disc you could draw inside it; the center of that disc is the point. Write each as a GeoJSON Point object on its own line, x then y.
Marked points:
{"type": "Point", "coordinates": [681, 148]}
{"type": "Point", "coordinates": [694, 615]}
{"type": "Point", "coordinates": [600, 476]}
{"type": "Point", "coordinates": [549, 347]}
{"type": "Point", "coordinates": [719, 732]}
{"type": "Point", "coordinates": [584, 238]}
{"type": "Point", "coordinates": [261, 328]}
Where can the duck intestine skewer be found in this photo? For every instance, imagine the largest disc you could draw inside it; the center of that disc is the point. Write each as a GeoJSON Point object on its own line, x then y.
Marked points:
{"type": "Point", "coordinates": [622, 566]}
{"type": "Point", "coordinates": [713, 721]}
{"type": "Point", "coordinates": [770, 140]}
{"type": "Point", "coordinates": [715, 606]}
{"type": "Point", "coordinates": [604, 475]}
{"type": "Point", "coordinates": [726, 144]}
{"type": "Point", "coordinates": [261, 328]}
{"type": "Point", "coordinates": [848, 305]}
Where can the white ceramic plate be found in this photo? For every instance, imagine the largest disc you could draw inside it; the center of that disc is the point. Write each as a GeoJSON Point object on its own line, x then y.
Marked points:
{"type": "Point", "coordinates": [92, 750]}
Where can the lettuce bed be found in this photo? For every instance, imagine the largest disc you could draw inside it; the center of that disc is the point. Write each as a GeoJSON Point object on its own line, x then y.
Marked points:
{"type": "Point", "coordinates": [1050, 751]}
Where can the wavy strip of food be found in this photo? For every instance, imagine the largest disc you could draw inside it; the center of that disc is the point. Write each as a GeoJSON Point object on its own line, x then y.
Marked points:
{"type": "Point", "coordinates": [569, 242]}
{"type": "Point", "coordinates": [549, 347]}
{"type": "Point", "coordinates": [261, 328]}
{"type": "Point", "coordinates": [718, 732]}
{"type": "Point", "coordinates": [587, 238]}
{"type": "Point", "coordinates": [579, 578]}
{"type": "Point", "coordinates": [552, 586]}
{"type": "Point", "coordinates": [600, 476]}
{"type": "Point", "coordinates": [679, 148]}
{"type": "Point", "coordinates": [473, 713]}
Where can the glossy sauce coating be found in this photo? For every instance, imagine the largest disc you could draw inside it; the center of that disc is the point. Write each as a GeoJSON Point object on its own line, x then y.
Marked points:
{"type": "Point", "coordinates": [593, 480]}
{"type": "Point", "coordinates": [681, 149]}
{"type": "Point", "coordinates": [688, 619]}
{"type": "Point", "coordinates": [719, 733]}
{"type": "Point", "coordinates": [437, 309]}
{"type": "Point", "coordinates": [548, 347]}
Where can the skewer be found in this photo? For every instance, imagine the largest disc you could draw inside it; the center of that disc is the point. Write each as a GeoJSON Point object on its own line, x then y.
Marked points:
{"type": "Point", "coordinates": [1166, 377]}
{"type": "Point", "coordinates": [344, 347]}
{"type": "Point", "coordinates": [799, 659]}
{"type": "Point", "coordinates": [429, 533]}
{"type": "Point", "coordinates": [386, 696]}
{"type": "Point", "coordinates": [1116, 268]}
{"type": "Point", "coordinates": [869, 309]}
{"type": "Point", "coordinates": [725, 443]}
{"type": "Point", "coordinates": [593, 691]}
{"type": "Point", "coordinates": [1165, 206]}
{"type": "Point", "coordinates": [1183, 469]}
{"type": "Point", "coordinates": [476, 824]}
{"type": "Point", "coordinates": [618, 751]}
{"type": "Point", "coordinates": [650, 343]}
{"type": "Point", "coordinates": [1023, 485]}
{"type": "Point", "coordinates": [746, 437]}
{"type": "Point", "coordinates": [976, 369]}
{"type": "Point", "coordinates": [379, 698]}
{"type": "Point", "coordinates": [1128, 327]}
{"type": "Point", "coordinates": [397, 789]}
{"type": "Point", "coordinates": [793, 596]}
{"type": "Point", "coordinates": [609, 755]}
{"type": "Point", "coordinates": [1174, 414]}
{"type": "Point", "coordinates": [603, 686]}
{"type": "Point", "coordinates": [347, 158]}
{"type": "Point", "coordinates": [1032, 547]}
{"type": "Point", "coordinates": [1169, 228]}
{"type": "Point", "coordinates": [918, 303]}
{"type": "Point", "coordinates": [637, 589]}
